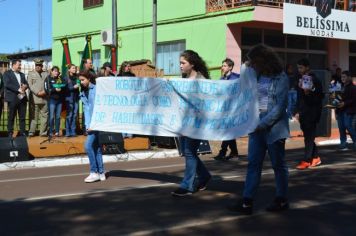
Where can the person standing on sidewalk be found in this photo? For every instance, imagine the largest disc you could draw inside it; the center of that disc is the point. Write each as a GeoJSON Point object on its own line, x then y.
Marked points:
{"type": "Point", "coordinates": [92, 147]}
{"type": "Point", "coordinates": [341, 113]}
{"type": "Point", "coordinates": [72, 101]}
{"type": "Point", "coordinates": [309, 106]}
{"type": "Point", "coordinates": [226, 68]}
{"type": "Point", "coordinates": [192, 67]}
{"type": "Point", "coordinates": [38, 99]}
{"type": "Point", "coordinates": [15, 95]}
{"type": "Point", "coordinates": [348, 105]}
{"type": "Point", "coordinates": [271, 132]}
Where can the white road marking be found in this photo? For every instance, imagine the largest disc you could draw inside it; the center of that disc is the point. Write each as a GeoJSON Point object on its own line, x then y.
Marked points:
{"type": "Point", "coordinates": [85, 173]}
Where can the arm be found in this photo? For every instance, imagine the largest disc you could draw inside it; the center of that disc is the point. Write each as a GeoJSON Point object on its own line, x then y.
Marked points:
{"type": "Point", "coordinates": [9, 84]}
{"type": "Point", "coordinates": [33, 86]}
{"type": "Point", "coordinates": [280, 106]}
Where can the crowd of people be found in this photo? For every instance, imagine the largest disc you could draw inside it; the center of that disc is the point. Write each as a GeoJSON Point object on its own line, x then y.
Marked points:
{"type": "Point", "coordinates": [282, 96]}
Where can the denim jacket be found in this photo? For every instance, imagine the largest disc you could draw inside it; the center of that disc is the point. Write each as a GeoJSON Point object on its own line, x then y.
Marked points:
{"type": "Point", "coordinates": [275, 120]}
{"type": "Point", "coordinates": [88, 104]}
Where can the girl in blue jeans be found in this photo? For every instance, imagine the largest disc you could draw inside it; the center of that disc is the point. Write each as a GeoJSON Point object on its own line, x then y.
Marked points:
{"type": "Point", "coordinates": [192, 67]}
{"type": "Point", "coordinates": [271, 131]}
{"type": "Point", "coordinates": [92, 147]}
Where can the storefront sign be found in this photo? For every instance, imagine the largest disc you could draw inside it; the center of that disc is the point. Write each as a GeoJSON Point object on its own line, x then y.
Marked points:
{"type": "Point", "coordinates": [201, 109]}
{"type": "Point", "coordinates": [319, 21]}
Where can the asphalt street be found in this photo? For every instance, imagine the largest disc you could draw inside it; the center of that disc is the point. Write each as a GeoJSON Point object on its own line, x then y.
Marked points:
{"type": "Point", "coordinates": [136, 200]}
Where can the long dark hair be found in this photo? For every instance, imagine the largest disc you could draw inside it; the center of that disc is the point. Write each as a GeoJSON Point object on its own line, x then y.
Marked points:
{"type": "Point", "coordinates": [88, 75]}
{"type": "Point", "coordinates": [194, 59]}
{"type": "Point", "coordinates": [265, 60]}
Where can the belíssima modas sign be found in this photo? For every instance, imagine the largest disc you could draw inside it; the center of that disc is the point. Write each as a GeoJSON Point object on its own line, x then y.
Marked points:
{"type": "Point", "coordinates": [319, 21]}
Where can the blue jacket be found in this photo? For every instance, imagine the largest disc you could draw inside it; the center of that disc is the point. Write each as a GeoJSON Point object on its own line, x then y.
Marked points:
{"type": "Point", "coordinates": [72, 94]}
{"type": "Point", "coordinates": [231, 76]}
{"type": "Point", "coordinates": [275, 120]}
{"type": "Point", "coordinates": [88, 104]}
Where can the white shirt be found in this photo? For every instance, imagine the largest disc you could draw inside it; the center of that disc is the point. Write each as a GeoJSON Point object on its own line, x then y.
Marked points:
{"type": "Point", "coordinates": [18, 77]}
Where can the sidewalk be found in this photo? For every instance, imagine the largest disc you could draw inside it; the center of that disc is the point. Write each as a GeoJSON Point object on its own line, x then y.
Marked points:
{"type": "Point", "coordinates": [296, 141]}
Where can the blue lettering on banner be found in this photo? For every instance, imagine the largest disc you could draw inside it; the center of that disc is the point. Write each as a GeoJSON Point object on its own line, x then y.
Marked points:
{"type": "Point", "coordinates": [161, 101]}
{"type": "Point", "coordinates": [117, 100]}
{"type": "Point", "coordinates": [197, 104]}
{"type": "Point", "coordinates": [100, 116]}
{"type": "Point", "coordinates": [137, 118]}
{"type": "Point", "coordinates": [132, 84]}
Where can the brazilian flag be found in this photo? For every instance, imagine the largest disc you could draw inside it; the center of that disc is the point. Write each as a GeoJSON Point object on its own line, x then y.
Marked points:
{"type": "Point", "coordinates": [87, 53]}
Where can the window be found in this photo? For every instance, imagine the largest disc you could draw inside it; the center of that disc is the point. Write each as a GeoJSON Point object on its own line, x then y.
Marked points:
{"type": "Point", "coordinates": [352, 46]}
{"type": "Point", "coordinates": [274, 38]}
{"type": "Point", "coordinates": [96, 59]}
{"type": "Point", "coordinates": [92, 3]}
{"type": "Point", "coordinates": [168, 56]}
{"type": "Point", "coordinates": [251, 36]}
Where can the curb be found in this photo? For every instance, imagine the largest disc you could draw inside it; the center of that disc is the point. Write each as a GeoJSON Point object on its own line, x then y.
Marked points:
{"type": "Point", "coordinates": [83, 159]}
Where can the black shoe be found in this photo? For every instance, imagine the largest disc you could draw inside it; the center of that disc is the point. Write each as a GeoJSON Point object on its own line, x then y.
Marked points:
{"type": "Point", "coordinates": [23, 134]}
{"type": "Point", "coordinates": [181, 192]}
{"type": "Point", "coordinates": [202, 186]}
{"type": "Point", "coordinates": [279, 204]}
{"type": "Point", "coordinates": [220, 157]}
{"type": "Point", "coordinates": [243, 207]}
{"type": "Point", "coordinates": [232, 155]}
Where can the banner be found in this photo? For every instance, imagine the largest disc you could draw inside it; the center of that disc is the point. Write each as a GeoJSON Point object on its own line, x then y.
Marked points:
{"type": "Point", "coordinates": [197, 108]}
{"type": "Point", "coordinates": [319, 21]}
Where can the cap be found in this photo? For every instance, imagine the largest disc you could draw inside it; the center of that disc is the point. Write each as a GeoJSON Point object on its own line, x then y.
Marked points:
{"type": "Point", "coordinates": [107, 64]}
{"type": "Point", "coordinates": [38, 61]}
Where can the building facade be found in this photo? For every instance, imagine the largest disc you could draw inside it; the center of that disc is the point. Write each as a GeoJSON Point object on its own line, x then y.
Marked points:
{"type": "Point", "coordinates": [214, 28]}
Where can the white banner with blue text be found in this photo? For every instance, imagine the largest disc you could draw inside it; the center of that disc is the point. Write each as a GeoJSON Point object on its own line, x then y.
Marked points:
{"type": "Point", "coordinates": [196, 108]}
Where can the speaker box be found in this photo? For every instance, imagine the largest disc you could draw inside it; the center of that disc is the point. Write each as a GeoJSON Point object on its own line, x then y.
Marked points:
{"type": "Point", "coordinates": [204, 147]}
{"type": "Point", "coordinates": [12, 150]}
{"type": "Point", "coordinates": [112, 143]}
{"type": "Point", "coordinates": [162, 141]}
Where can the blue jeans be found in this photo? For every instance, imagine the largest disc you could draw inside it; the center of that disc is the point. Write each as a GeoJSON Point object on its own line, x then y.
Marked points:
{"type": "Point", "coordinates": [94, 152]}
{"type": "Point", "coordinates": [55, 109]}
{"type": "Point", "coordinates": [348, 119]}
{"type": "Point", "coordinates": [194, 167]}
{"type": "Point", "coordinates": [292, 102]}
{"type": "Point", "coordinates": [257, 147]}
{"type": "Point", "coordinates": [340, 117]}
{"type": "Point", "coordinates": [71, 118]}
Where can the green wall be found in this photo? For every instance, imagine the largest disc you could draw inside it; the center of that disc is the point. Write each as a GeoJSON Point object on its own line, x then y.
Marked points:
{"type": "Point", "coordinates": [177, 20]}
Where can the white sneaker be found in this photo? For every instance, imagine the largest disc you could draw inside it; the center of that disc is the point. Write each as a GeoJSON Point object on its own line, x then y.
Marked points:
{"type": "Point", "coordinates": [93, 177]}
{"type": "Point", "coordinates": [102, 177]}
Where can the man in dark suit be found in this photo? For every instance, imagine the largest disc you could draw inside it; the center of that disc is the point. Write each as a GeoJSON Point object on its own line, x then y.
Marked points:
{"type": "Point", "coordinates": [15, 96]}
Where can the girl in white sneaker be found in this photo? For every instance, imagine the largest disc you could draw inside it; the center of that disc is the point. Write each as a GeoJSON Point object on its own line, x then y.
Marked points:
{"type": "Point", "coordinates": [92, 147]}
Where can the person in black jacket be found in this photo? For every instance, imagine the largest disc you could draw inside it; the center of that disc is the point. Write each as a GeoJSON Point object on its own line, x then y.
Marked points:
{"type": "Point", "coordinates": [55, 87]}
{"type": "Point", "coordinates": [309, 106]}
{"type": "Point", "coordinates": [15, 96]}
{"type": "Point", "coordinates": [72, 101]}
{"type": "Point", "coordinates": [348, 105]}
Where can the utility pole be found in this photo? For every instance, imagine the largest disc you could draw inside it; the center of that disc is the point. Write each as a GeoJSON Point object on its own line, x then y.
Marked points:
{"type": "Point", "coordinates": [154, 32]}
{"type": "Point", "coordinates": [39, 24]}
{"type": "Point", "coordinates": [114, 36]}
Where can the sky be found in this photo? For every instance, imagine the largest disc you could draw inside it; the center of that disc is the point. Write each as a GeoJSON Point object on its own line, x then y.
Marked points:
{"type": "Point", "coordinates": [19, 25]}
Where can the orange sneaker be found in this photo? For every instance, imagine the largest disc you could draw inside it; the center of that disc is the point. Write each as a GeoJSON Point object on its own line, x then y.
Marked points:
{"type": "Point", "coordinates": [315, 162]}
{"type": "Point", "coordinates": [303, 165]}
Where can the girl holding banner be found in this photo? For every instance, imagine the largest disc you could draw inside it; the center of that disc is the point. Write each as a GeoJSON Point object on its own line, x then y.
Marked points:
{"type": "Point", "coordinates": [271, 132]}
{"type": "Point", "coordinates": [92, 147]}
{"type": "Point", "coordinates": [192, 67]}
